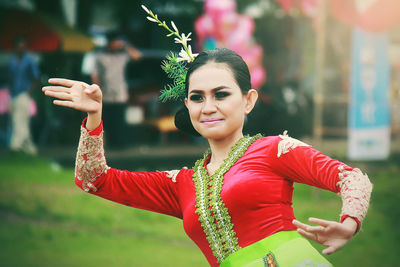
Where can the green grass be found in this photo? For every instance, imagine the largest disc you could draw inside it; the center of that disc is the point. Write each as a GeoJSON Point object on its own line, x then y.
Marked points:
{"type": "Point", "coordinates": [45, 220]}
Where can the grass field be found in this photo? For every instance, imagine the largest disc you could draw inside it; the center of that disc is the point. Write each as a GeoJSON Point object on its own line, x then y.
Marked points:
{"type": "Point", "coordinates": [45, 220]}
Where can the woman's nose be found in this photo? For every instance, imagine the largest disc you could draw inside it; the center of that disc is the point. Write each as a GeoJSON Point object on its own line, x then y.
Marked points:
{"type": "Point", "coordinates": [209, 106]}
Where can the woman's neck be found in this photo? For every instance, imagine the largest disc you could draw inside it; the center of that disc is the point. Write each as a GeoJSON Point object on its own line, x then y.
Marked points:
{"type": "Point", "coordinates": [220, 150]}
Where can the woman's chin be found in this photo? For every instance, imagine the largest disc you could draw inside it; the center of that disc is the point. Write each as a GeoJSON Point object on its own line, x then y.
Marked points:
{"type": "Point", "coordinates": [209, 132]}
{"type": "Point", "coordinates": [213, 133]}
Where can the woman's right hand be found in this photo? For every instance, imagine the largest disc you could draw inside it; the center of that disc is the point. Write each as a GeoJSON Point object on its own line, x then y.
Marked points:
{"type": "Point", "coordinates": [75, 94]}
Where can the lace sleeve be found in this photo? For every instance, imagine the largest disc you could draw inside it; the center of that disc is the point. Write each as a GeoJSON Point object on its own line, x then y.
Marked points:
{"type": "Point", "coordinates": [355, 191]}
{"type": "Point", "coordinates": [90, 161]}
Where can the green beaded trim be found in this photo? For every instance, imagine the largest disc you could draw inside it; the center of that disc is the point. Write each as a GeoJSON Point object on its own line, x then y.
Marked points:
{"type": "Point", "coordinates": [213, 214]}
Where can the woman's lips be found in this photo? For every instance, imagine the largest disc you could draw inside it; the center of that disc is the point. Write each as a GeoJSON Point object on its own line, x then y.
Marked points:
{"type": "Point", "coordinates": [211, 121]}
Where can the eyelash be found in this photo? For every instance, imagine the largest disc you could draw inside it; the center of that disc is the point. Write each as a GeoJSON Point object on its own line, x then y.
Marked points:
{"type": "Point", "coordinates": [218, 95]}
{"type": "Point", "coordinates": [196, 98]}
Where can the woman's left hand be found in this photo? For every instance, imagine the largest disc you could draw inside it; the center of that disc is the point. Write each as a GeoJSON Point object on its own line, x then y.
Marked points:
{"type": "Point", "coordinates": [332, 234]}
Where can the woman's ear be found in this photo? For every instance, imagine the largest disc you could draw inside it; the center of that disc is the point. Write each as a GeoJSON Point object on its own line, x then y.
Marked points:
{"type": "Point", "coordinates": [251, 99]}
{"type": "Point", "coordinates": [186, 102]}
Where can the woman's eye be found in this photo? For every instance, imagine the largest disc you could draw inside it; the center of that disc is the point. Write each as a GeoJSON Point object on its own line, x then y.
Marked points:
{"type": "Point", "coordinates": [220, 95]}
{"type": "Point", "coordinates": [196, 98]}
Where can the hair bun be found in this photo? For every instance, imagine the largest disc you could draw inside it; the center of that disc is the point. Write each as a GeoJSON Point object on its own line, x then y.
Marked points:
{"type": "Point", "coordinates": [183, 122]}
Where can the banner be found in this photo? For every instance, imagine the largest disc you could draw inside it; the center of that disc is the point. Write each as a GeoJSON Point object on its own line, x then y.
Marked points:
{"type": "Point", "coordinates": [369, 115]}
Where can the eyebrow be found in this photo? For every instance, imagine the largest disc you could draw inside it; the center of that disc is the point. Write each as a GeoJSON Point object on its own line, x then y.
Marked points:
{"type": "Point", "coordinates": [198, 91]}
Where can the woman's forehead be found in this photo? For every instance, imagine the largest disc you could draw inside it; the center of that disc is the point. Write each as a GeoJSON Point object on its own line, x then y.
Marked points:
{"type": "Point", "coordinates": [211, 65]}
{"type": "Point", "coordinates": [210, 76]}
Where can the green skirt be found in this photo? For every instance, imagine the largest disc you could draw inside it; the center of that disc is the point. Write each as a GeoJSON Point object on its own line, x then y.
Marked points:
{"type": "Point", "coordinates": [283, 249]}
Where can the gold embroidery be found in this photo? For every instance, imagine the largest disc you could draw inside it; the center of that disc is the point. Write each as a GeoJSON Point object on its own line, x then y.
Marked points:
{"type": "Point", "coordinates": [270, 260]}
{"type": "Point", "coordinates": [355, 191]}
{"type": "Point", "coordinates": [90, 161]}
{"type": "Point", "coordinates": [288, 143]}
{"type": "Point", "coordinates": [173, 174]}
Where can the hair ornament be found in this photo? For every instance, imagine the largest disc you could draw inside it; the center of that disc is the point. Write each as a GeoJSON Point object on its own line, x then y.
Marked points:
{"type": "Point", "coordinates": [174, 65]}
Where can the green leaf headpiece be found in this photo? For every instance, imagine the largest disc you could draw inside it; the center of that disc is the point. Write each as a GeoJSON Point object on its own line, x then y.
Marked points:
{"type": "Point", "coordinates": [174, 65]}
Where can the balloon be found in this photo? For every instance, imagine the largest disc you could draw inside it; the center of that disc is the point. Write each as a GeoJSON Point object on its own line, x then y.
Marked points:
{"type": "Point", "coordinates": [258, 77]}
{"type": "Point", "coordinates": [203, 27]}
{"type": "Point", "coordinates": [215, 8]}
{"type": "Point", "coordinates": [379, 16]}
{"type": "Point", "coordinates": [309, 7]}
{"type": "Point", "coordinates": [287, 5]}
{"type": "Point", "coordinates": [222, 26]}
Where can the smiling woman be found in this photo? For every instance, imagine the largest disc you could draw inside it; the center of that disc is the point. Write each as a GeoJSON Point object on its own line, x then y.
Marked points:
{"type": "Point", "coordinates": [223, 73]}
{"type": "Point", "coordinates": [218, 110]}
{"type": "Point", "coordinates": [236, 202]}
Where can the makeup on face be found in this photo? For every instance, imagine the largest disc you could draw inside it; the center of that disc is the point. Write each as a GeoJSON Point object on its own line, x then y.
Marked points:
{"type": "Point", "coordinates": [215, 101]}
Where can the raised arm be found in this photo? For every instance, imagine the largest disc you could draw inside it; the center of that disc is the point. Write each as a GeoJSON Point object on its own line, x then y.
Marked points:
{"type": "Point", "coordinates": [134, 53]}
{"type": "Point", "coordinates": [154, 191]}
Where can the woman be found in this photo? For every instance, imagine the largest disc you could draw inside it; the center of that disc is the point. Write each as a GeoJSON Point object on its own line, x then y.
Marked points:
{"type": "Point", "coordinates": [236, 201]}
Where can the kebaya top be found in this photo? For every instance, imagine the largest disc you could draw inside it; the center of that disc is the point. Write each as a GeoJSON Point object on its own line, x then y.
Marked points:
{"type": "Point", "coordinates": [247, 199]}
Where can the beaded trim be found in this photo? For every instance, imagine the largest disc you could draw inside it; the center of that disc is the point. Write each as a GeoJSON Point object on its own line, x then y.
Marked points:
{"type": "Point", "coordinates": [213, 214]}
{"type": "Point", "coordinates": [90, 161]}
{"type": "Point", "coordinates": [355, 191]}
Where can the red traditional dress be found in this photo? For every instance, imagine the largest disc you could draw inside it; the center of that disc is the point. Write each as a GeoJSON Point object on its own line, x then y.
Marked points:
{"type": "Point", "coordinates": [247, 199]}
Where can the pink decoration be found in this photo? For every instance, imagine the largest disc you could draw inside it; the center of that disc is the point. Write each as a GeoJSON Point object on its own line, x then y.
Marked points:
{"type": "Point", "coordinates": [309, 7]}
{"type": "Point", "coordinates": [379, 16]}
{"type": "Point", "coordinates": [215, 8]}
{"type": "Point", "coordinates": [258, 76]}
{"type": "Point", "coordinates": [226, 28]}
{"type": "Point", "coordinates": [32, 107]}
{"type": "Point", "coordinates": [287, 5]}
{"type": "Point", "coordinates": [5, 103]}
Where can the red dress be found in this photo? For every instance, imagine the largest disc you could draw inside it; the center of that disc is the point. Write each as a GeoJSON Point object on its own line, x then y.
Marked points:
{"type": "Point", "coordinates": [256, 190]}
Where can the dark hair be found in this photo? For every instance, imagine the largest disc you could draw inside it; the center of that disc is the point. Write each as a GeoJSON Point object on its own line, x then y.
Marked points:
{"type": "Point", "coordinates": [223, 55]}
{"type": "Point", "coordinates": [114, 35]}
{"type": "Point", "coordinates": [219, 55]}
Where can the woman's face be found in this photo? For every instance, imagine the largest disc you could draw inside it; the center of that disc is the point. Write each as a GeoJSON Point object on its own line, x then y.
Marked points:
{"type": "Point", "coordinates": [216, 105]}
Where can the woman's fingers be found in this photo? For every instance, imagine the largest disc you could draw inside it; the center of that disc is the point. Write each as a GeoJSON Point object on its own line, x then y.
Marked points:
{"type": "Point", "coordinates": [68, 104]}
{"type": "Point", "coordinates": [56, 88]}
{"type": "Point", "coordinates": [60, 95]}
{"type": "Point", "coordinates": [301, 225]}
{"type": "Point", "coordinates": [62, 81]}
{"type": "Point", "coordinates": [329, 250]}
{"type": "Point", "coordinates": [319, 221]}
{"type": "Point", "coordinates": [309, 228]}
{"type": "Point", "coordinates": [91, 89]}
{"type": "Point", "coordinates": [66, 82]}
{"type": "Point", "coordinates": [308, 235]}
{"type": "Point", "coordinates": [304, 226]}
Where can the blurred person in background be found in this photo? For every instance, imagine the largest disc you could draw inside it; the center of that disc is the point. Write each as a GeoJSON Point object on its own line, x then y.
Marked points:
{"type": "Point", "coordinates": [23, 78]}
{"type": "Point", "coordinates": [109, 74]}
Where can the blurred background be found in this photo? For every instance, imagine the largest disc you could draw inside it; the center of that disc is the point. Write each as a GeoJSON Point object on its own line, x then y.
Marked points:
{"type": "Point", "coordinates": [328, 71]}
